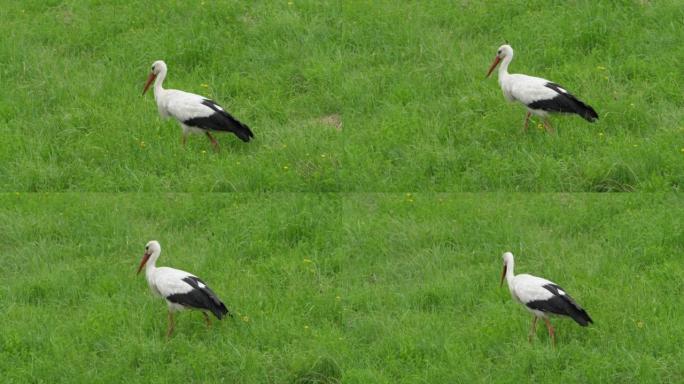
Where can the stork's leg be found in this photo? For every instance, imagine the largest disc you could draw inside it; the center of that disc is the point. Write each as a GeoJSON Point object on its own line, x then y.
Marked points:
{"type": "Point", "coordinates": [552, 335]}
{"type": "Point", "coordinates": [547, 125]}
{"type": "Point", "coordinates": [207, 319]}
{"type": "Point", "coordinates": [527, 122]}
{"type": "Point", "coordinates": [169, 330]}
{"type": "Point", "coordinates": [533, 330]}
{"type": "Point", "coordinates": [213, 141]}
{"type": "Point", "coordinates": [184, 139]}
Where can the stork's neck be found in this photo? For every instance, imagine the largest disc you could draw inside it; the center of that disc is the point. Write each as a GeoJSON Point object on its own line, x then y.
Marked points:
{"type": "Point", "coordinates": [503, 68]}
{"type": "Point", "coordinates": [509, 272]}
{"type": "Point", "coordinates": [151, 265]}
{"type": "Point", "coordinates": [158, 89]}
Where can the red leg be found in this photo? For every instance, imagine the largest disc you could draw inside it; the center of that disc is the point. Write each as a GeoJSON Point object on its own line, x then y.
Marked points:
{"type": "Point", "coordinates": [184, 139]}
{"type": "Point", "coordinates": [533, 330]}
{"type": "Point", "coordinates": [207, 319]}
{"type": "Point", "coordinates": [552, 334]}
{"type": "Point", "coordinates": [213, 141]}
{"type": "Point", "coordinates": [169, 330]}
{"type": "Point", "coordinates": [547, 125]}
{"type": "Point", "coordinates": [527, 122]}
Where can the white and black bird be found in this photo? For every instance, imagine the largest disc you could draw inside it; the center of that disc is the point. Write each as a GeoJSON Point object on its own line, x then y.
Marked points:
{"type": "Point", "coordinates": [195, 113]}
{"type": "Point", "coordinates": [540, 96]}
{"type": "Point", "coordinates": [181, 290]}
{"type": "Point", "coordinates": [542, 298]}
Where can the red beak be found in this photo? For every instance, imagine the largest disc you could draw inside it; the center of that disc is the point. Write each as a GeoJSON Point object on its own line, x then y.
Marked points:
{"type": "Point", "coordinates": [503, 274]}
{"type": "Point", "coordinates": [494, 64]}
{"type": "Point", "coordinates": [142, 262]}
{"type": "Point", "coordinates": [149, 81]}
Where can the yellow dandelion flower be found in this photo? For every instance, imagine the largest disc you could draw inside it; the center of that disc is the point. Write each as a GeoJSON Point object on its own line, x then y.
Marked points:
{"type": "Point", "coordinates": [203, 151]}
{"type": "Point", "coordinates": [245, 319]}
{"type": "Point", "coordinates": [285, 167]}
{"type": "Point", "coordinates": [640, 324]}
{"type": "Point", "coordinates": [323, 155]}
{"type": "Point", "coordinates": [204, 85]}
{"type": "Point", "coordinates": [306, 327]}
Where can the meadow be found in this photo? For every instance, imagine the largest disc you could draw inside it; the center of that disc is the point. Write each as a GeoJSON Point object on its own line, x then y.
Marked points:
{"type": "Point", "coordinates": [329, 288]}
{"type": "Point", "coordinates": [354, 96]}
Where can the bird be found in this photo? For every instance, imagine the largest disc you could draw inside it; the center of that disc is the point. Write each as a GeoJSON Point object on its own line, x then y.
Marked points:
{"type": "Point", "coordinates": [195, 113]}
{"type": "Point", "coordinates": [181, 290]}
{"type": "Point", "coordinates": [542, 298]}
{"type": "Point", "coordinates": [540, 96]}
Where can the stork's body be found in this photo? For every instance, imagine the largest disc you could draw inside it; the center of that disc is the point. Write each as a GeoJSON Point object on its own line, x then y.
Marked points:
{"type": "Point", "coordinates": [540, 96]}
{"type": "Point", "coordinates": [181, 290]}
{"type": "Point", "coordinates": [541, 297]}
{"type": "Point", "coordinates": [194, 113]}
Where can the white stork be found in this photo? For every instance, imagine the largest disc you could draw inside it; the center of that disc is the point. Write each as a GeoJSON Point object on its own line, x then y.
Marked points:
{"type": "Point", "coordinates": [540, 96]}
{"type": "Point", "coordinates": [542, 298]}
{"type": "Point", "coordinates": [180, 289]}
{"type": "Point", "coordinates": [195, 113]}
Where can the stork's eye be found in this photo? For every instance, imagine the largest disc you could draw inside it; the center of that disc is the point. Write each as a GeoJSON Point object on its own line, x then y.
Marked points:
{"type": "Point", "coordinates": [499, 52]}
{"type": "Point", "coordinates": [147, 247]}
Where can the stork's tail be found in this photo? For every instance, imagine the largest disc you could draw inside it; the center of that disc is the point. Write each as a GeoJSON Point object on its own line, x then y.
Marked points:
{"type": "Point", "coordinates": [580, 315]}
{"type": "Point", "coordinates": [241, 130]}
{"type": "Point", "coordinates": [586, 111]}
{"type": "Point", "coordinates": [220, 311]}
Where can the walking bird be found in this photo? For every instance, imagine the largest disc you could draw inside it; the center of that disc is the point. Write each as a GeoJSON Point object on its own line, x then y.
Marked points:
{"type": "Point", "coordinates": [181, 290]}
{"type": "Point", "coordinates": [195, 113]}
{"type": "Point", "coordinates": [542, 298]}
{"type": "Point", "coordinates": [540, 96]}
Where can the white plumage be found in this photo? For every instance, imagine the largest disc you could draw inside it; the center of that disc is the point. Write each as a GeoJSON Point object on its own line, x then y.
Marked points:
{"type": "Point", "coordinates": [181, 289]}
{"type": "Point", "coordinates": [540, 96]}
{"type": "Point", "coordinates": [194, 113]}
{"type": "Point", "coordinates": [541, 297]}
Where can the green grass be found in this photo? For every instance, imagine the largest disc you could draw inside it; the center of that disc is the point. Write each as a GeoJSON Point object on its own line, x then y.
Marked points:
{"type": "Point", "coordinates": [352, 288]}
{"type": "Point", "coordinates": [405, 78]}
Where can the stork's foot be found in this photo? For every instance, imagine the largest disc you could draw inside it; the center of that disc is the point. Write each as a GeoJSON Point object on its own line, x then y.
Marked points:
{"type": "Point", "coordinates": [552, 333]}
{"type": "Point", "coordinates": [169, 329]}
{"type": "Point", "coordinates": [533, 330]}
{"type": "Point", "coordinates": [527, 121]}
{"type": "Point", "coordinates": [214, 143]}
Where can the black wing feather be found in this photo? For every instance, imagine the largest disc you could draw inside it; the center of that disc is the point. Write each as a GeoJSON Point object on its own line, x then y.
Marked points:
{"type": "Point", "coordinates": [565, 102]}
{"type": "Point", "coordinates": [200, 298]}
{"type": "Point", "coordinates": [220, 120]}
{"type": "Point", "coordinates": [561, 305]}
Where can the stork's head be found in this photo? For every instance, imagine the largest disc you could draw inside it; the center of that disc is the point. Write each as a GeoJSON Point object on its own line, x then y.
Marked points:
{"type": "Point", "coordinates": [503, 51]}
{"type": "Point", "coordinates": [151, 248]}
{"type": "Point", "coordinates": [507, 260]}
{"type": "Point", "coordinates": [158, 67]}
